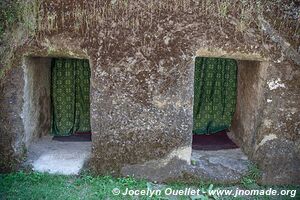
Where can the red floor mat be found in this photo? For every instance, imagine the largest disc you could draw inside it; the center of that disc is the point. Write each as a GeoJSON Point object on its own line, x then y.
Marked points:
{"type": "Point", "coordinates": [78, 137]}
{"type": "Point", "coordinates": [217, 141]}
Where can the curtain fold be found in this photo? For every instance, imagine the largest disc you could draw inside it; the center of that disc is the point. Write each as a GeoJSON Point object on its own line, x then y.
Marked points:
{"type": "Point", "coordinates": [214, 94]}
{"type": "Point", "coordinates": [70, 96]}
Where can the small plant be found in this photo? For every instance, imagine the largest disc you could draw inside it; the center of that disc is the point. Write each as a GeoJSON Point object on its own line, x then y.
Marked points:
{"type": "Point", "coordinates": [205, 194]}
{"type": "Point", "coordinates": [223, 8]}
{"type": "Point", "coordinates": [254, 172]}
{"type": "Point", "coordinates": [193, 162]}
{"type": "Point", "coordinates": [250, 180]}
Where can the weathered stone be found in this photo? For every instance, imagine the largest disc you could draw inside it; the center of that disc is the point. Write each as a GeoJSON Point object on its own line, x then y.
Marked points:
{"type": "Point", "coordinates": [37, 100]}
{"type": "Point", "coordinates": [167, 168]}
{"type": "Point", "coordinates": [141, 56]}
{"type": "Point", "coordinates": [223, 166]}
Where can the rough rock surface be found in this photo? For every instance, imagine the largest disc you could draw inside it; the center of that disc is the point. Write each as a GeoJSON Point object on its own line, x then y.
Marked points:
{"type": "Point", "coordinates": [141, 55]}
{"type": "Point", "coordinates": [223, 166]}
{"type": "Point", "coordinates": [226, 166]}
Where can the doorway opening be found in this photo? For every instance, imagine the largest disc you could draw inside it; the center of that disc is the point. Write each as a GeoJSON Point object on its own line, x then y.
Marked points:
{"type": "Point", "coordinates": [215, 98]}
{"type": "Point", "coordinates": [70, 99]}
{"type": "Point", "coordinates": [215, 93]}
{"type": "Point", "coordinates": [56, 114]}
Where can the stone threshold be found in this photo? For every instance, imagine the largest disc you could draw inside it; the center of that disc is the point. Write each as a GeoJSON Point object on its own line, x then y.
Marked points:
{"type": "Point", "coordinates": [56, 157]}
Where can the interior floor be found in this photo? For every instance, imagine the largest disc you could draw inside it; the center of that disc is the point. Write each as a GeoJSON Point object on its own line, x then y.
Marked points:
{"type": "Point", "coordinates": [57, 157]}
{"type": "Point", "coordinates": [77, 137]}
{"type": "Point", "coordinates": [217, 157]}
{"type": "Point", "coordinates": [216, 141]}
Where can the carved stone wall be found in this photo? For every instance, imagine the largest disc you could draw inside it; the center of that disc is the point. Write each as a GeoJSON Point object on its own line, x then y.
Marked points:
{"type": "Point", "coordinates": [142, 61]}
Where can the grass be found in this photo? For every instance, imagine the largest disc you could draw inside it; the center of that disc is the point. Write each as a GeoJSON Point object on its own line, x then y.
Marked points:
{"type": "Point", "coordinates": [32, 185]}
{"type": "Point", "coordinates": [45, 186]}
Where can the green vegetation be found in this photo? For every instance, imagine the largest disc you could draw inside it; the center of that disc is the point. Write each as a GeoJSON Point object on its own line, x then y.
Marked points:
{"type": "Point", "coordinates": [254, 174]}
{"type": "Point", "coordinates": [9, 12]}
{"type": "Point", "coordinates": [31, 185]}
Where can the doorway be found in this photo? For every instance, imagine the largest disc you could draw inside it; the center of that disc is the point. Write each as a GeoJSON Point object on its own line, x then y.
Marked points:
{"type": "Point", "coordinates": [56, 114]}
{"type": "Point", "coordinates": [215, 92]}
{"type": "Point", "coordinates": [70, 99]}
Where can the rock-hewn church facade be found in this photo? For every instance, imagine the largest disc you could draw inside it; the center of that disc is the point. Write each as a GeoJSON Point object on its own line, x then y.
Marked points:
{"type": "Point", "coordinates": [141, 55]}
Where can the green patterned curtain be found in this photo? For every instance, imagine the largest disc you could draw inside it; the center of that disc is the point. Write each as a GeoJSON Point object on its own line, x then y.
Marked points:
{"type": "Point", "coordinates": [214, 94]}
{"type": "Point", "coordinates": [70, 95]}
